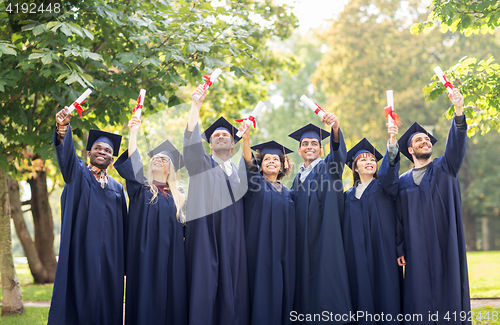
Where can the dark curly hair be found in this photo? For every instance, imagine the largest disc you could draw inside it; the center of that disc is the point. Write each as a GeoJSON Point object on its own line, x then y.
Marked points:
{"type": "Point", "coordinates": [284, 171]}
{"type": "Point", "coordinates": [355, 174]}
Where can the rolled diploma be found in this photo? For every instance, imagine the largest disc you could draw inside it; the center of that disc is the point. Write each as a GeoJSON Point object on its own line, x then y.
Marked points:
{"type": "Point", "coordinates": [390, 102]}
{"type": "Point", "coordinates": [213, 78]}
{"type": "Point", "coordinates": [313, 106]}
{"type": "Point", "coordinates": [142, 95]}
{"type": "Point", "coordinates": [441, 75]}
{"type": "Point", "coordinates": [80, 99]}
{"type": "Point", "coordinates": [255, 112]}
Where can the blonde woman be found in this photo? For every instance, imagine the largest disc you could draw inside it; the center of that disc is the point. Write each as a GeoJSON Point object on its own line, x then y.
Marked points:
{"type": "Point", "coordinates": [155, 262]}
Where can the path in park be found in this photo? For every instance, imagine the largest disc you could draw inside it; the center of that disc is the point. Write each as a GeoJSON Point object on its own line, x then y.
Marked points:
{"type": "Point", "coordinates": [475, 303]}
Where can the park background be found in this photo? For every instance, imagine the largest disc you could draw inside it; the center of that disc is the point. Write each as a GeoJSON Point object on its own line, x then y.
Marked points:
{"type": "Point", "coordinates": [342, 54]}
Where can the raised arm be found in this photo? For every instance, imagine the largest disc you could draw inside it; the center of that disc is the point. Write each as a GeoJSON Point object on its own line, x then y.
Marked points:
{"type": "Point", "coordinates": [63, 141]}
{"type": "Point", "coordinates": [194, 114]}
{"type": "Point", "coordinates": [389, 169]}
{"type": "Point", "coordinates": [195, 157]}
{"type": "Point", "coordinates": [247, 152]}
{"type": "Point", "coordinates": [134, 124]}
{"type": "Point", "coordinates": [457, 139]}
{"type": "Point", "coordinates": [129, 164]}
{"type": "Point", "coordinates": [335, 160]}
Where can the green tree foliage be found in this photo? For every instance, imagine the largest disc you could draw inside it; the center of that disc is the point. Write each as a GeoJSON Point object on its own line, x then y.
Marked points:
{"type": "Point", "coordinates": [371, 50]}
{"type": "Point", "coordinates": [116, 48]}
{"type": "Point", "coordinates": [285, 112]}
{"type": "Point", "coordinates": [478, 79]}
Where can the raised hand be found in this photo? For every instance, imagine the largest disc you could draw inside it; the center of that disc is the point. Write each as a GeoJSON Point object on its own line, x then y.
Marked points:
{"type": "Point", "coordinates": [329, 118]}
{"type": "Point", "coordinates": [199, 91]}
{"type": "Point", "coordinates": [392, 129]}
{"type": "Point", "coordinates": [245, 129]}
{"type": "Point", "coordinates": [134, 124]}
{"type": "Point", "coordinates": [63, 116]}
{"type": "Point", "coordinates": [458, 101]}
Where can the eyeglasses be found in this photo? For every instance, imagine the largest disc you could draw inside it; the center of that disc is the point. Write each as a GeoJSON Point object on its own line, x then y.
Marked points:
{"type": "Point", "coordinates": [163, 159]}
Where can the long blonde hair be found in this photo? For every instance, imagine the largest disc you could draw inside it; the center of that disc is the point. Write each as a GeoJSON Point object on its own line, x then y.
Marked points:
{"type": "Point", "coordinates": [173, 185]}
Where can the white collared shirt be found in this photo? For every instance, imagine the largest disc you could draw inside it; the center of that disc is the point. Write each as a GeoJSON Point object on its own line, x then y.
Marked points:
{"type": "Point", "coordinates": [226, 166]}
{"type": "Point", "coordinates": [305, 171]}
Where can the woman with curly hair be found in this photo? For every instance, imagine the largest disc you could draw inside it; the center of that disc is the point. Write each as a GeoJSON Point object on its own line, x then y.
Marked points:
{"type": "Point", "coordinates": [269, 232]}
{"type": "Point", "coordinates": [155, 260]}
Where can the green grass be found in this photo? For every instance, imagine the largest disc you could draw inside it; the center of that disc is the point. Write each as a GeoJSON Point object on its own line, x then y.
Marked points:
{"type": "Point", "coordinates": [33, 316]}
{"type": "Point", "coordinates": [488, 316]}
{"type": "Point", "coordinates": [484, 273]}
{"type": "Point", "coordinates": [31, 291]}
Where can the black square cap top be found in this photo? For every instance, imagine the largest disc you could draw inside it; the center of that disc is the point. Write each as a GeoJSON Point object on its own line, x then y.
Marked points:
{"type": "Point", "coordinates": [167, 148]}
{"type": "Point", "coordinates": [221, 124]}
{"type": "Point", "coordinates": [363, 146]}
{"type": "Point", "coordinates": [112, 139]}
{"type": "Point", "coordinates": [404, 141]}
{"type": "Point", "coordinates": [309, 131]}
{"type": "Point", "coordinates": [272, 147]}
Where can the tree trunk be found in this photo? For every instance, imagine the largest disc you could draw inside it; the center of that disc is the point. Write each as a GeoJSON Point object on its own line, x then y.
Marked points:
{"type": "Point", "coordinates": [44, 226]}
{"type": "Point", "coordinates": [486, 234]}
{"type": "Point", "coordinates": [470, 229]}
{"type": "Point", "coordinates": [12, 299]}
{"type": "Point", "coordinates": [36, 267]}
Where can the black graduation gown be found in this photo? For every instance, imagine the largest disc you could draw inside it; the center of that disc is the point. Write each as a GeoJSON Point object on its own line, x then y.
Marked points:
{"type": "Point", "coordinates": [370, 247]}
{"type": "Point", "coordinates": [88, 288]}
{"type": "Point", "coordinates": [215, 239]}
{"type": "Point", "coordinates": [156, 265]}
{"type": "Point", "coordinates": [270, 241]}
{"type": "Point", "coordinates": [322, 284]}
{"type": "Point", "coordinates": [431, 236]}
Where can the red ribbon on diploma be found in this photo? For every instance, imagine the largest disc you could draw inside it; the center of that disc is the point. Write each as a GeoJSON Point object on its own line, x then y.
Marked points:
{"type": "Point", "coordinates": [78, 108]}
{"type": "Point", "coordinates": [319, 109]}
{"type": "Point", "coordinates": [207, 81]}
{"type": "Point", "coordinates": [138, 106]}
{"type": "Point", "coordinates": [390, 112]}
{"type": "Point", "coordinates": [251, 118]}
{"type": "Point", "coordinates": [447, 83]}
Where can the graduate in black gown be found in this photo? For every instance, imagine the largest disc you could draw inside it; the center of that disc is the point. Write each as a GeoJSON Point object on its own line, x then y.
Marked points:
{"type": "Point", "coordinates": [156, 265]}
{"type": "Point", "coordinates": [431, 240]}
{"type": "Point", "coordinates": [369, 230]}
{"type": "Point", "coordinates": [269, 232]}
{"type": "Point", "coordinates": [215, 239]}
{"type": "Point", "coordinates": [322, 284]}
{"type": "Point", "coordinates": [88, 288]}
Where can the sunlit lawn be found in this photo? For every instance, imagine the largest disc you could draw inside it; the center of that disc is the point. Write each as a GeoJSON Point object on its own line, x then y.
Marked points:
{"type": "Point", "coordinates": [33, 316]}
{"type": "Point", "coordinates": [485, 316]}
{"type": "Point", "coordinates": [30, 291]}
{"type": "Point", "coordinates": [484, 274]}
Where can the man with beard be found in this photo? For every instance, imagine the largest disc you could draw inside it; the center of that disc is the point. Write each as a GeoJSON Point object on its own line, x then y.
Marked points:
{"type": "Point", "coordinates": [88, 288]}
{"type": "Point", "coordinates": [430, 234]}
{"type": "Point", "coordinates": [216, 261]}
